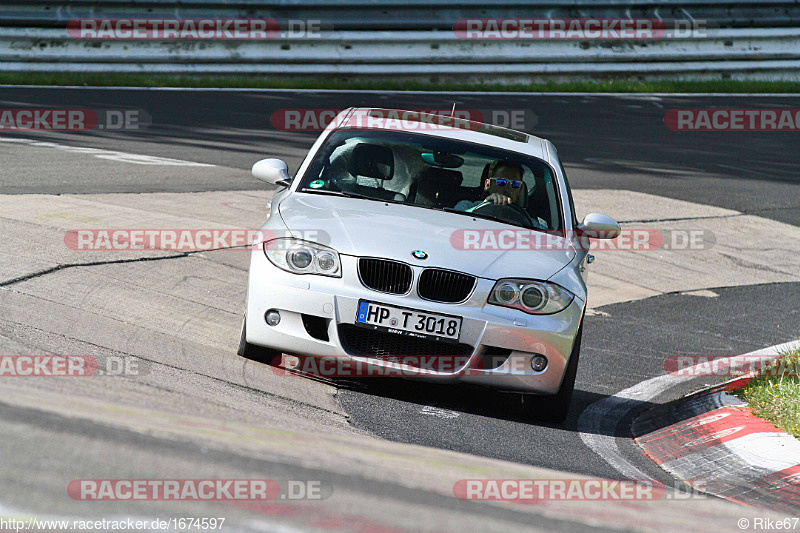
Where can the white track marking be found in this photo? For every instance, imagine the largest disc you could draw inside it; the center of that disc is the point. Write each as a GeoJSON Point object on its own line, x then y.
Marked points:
{"type": "Point", "coordinates": [439, 413]}
{"type": "Point", "coordinates": [606, 414]}
{"type": "Point", "coordinates": [112, 155]}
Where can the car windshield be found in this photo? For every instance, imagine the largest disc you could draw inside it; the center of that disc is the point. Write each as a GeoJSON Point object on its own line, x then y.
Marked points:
{"type": "Point", "coordinates": [437, 173]}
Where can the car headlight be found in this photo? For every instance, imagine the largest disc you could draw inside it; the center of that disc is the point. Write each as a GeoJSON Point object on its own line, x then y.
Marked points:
{"type": "Point", "coordinates": [533, 297]}
{"type": "Point", "coordinates": [302, 257]}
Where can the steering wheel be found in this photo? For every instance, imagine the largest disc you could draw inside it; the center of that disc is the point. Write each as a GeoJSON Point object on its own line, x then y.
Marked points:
{"type": "Point", "coordinates": [511, 212]}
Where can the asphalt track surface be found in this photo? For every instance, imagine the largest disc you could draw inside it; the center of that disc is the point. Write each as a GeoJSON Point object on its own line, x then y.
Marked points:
{"type": "Point", "coordinates": [607, 142]}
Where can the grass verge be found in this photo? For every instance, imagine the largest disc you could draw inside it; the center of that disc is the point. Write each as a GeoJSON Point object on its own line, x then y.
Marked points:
{"type": "Point", "coordinates": [774, 394]}
{"type": "Point", "coordinates": [261, 82]}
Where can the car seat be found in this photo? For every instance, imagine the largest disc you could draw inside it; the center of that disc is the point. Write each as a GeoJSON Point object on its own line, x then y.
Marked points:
{"type": "Point", "coordinates": [438, 187]}
{"type": "Point", "coordinates": [377, 162]}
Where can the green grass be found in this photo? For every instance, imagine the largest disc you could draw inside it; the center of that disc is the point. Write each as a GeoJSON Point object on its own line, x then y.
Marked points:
{"type": "Point", "coordinates": [258, 82]}
{"type": "Point", "coordinates": [774, 394]}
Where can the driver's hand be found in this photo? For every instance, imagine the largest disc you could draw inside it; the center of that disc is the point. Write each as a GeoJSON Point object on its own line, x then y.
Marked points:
{"type": "Point", "coordinates": [498, 199]}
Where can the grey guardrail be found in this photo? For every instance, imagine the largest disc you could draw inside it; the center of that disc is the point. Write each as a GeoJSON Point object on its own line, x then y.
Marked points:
{"type": "Point", "coordinates": [759, 39]}
{"type": "Point", "coordinates": [749, 53]}
{"type": "Point", "coordinates": [404, 14]}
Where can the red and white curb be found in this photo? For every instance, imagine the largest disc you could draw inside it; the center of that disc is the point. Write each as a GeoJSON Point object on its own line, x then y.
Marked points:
{"type": "Point", "coordinates": [614, 412]}
{"type": "Point", "coordinates": [713, 442]}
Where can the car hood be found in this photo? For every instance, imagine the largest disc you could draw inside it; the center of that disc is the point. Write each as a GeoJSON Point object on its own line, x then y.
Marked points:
{"type": "Point", "coordinates": [359, 227]}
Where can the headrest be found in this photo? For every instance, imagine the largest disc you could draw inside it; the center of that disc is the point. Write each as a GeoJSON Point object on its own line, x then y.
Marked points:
{"type": "Point", "coordinates": [485, 173]}
{"type": "Point", "coordinates": [522, 199]}
{"type": "Point", "coordinates": [372, 161]}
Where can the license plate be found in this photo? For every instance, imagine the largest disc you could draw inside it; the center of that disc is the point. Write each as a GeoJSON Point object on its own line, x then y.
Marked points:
{"type": "Point", "coordinates": [410, 322]}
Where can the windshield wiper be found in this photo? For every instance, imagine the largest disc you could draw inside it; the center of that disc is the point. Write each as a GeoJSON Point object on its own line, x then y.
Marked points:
{"type": "Point", "coordinates": [348, 195]}
{"type": "Point", "coordinates": [481, 215]}
{"type": "Point", "coordinates": [337, 193]}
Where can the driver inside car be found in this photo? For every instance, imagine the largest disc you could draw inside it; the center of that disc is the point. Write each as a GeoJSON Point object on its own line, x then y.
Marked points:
{"type": "Point", "coordinates": [503, 186]}
{"type": "Point", "coordinates": [503, 176]}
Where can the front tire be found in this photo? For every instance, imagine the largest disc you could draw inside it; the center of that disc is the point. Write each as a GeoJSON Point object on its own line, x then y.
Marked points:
{"type": "Point", "coordinates": [259, 354]}
{"type": "Point", "coordinates": [555, 408]}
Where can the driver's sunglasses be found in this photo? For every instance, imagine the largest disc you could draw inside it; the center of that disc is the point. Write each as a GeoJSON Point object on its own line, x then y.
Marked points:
{"type": "Point", "coordinates": [502, 182]}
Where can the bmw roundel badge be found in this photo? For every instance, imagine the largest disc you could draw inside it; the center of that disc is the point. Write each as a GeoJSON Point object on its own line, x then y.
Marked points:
{"type": "Point", "coordinates": [419, 254]}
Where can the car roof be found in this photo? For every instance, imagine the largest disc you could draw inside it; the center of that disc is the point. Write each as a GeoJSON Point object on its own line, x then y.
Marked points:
{"type": "Point", "coordinates": [443, 126]}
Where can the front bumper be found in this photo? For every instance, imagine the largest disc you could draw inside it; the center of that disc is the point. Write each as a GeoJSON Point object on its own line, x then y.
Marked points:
{"type": "Point", "coordinates": [487, 329]}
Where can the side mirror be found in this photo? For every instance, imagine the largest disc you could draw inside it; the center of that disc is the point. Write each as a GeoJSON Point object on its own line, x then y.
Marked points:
{"type": "Point", "coordinates": [272, 171]}
{"type": "Point", "coordinates": [599, 226]}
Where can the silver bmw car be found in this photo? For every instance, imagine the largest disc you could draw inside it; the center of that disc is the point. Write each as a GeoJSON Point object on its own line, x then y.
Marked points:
{"type": "Point", "coordinates": [427, 247]}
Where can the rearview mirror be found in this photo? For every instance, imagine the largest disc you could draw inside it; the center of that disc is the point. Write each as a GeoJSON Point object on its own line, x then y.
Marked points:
{"type": "Point", "coordinates": [442, 159]}
{"type": "Point", "coordinates": [272, 171]}
{"type": "Point", "coordinates": [599, 226]}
